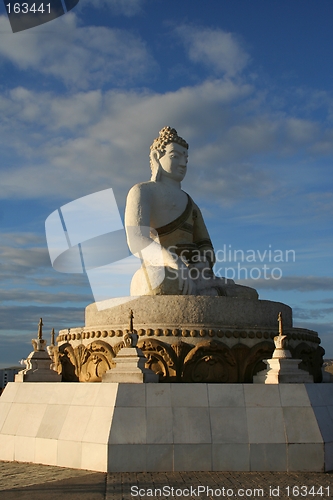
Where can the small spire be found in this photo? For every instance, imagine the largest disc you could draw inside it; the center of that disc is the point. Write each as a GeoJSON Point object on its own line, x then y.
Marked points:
{"type": "Point", "coordinates": [280, 323]}
{"type": "Point", "coordinates": [40, 329]}
{"type": "Point", "coordinates": [281, 342]}
{"type": "Point", "coordinates": [130, 338]}
{"type": "Point", "coordinates": [131, 316]}
{"type": "Point", "coordinates": [52, 337]}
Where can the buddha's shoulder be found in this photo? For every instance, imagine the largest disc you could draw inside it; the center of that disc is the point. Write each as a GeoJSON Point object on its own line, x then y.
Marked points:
{"type": "Point", "coordinates": [147, 188]}
{"type": "Point", "coordinates": [141, 187]}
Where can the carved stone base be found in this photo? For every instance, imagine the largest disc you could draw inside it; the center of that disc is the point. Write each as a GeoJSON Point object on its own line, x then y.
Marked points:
{"type": "Point", "coordinates": [187, 339]}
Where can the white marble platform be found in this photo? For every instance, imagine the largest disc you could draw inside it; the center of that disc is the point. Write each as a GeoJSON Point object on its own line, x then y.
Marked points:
{"type": "Point", "coordinates": [169, 427]}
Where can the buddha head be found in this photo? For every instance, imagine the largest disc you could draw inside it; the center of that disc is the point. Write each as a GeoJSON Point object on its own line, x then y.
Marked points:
{"type": "Point", "coordinates": [168, 154]}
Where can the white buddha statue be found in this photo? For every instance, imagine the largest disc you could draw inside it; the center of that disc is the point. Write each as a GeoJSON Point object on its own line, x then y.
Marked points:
{"type": "Point", "coordinates": [161, 218]}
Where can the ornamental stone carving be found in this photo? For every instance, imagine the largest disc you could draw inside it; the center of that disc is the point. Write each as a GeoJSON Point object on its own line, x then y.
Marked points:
{"type": "Point", "coordinates": [86, 363]}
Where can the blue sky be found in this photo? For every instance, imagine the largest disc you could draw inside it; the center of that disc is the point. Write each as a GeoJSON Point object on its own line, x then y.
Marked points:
{"type": "Point", "coordinates": [247, 84]}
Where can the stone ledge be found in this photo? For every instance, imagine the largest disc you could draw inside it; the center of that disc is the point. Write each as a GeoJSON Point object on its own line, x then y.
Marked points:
{"type": "Point", "coordinates": [241, 333]}
{"type": "Point", "coordinates": [181, 309]}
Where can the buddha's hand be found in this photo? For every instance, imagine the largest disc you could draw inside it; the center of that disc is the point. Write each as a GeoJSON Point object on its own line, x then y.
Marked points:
{"type": "Point", "coordinates": [186, 284]}
{"type": "Point", "coordinates": [201, 270]}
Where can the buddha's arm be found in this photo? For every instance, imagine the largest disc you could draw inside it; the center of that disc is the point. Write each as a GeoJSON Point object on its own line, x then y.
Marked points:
{"type": "Point", "coordinates": [201, 237]}
{"type": "Point", "coordinates": [137, 223]}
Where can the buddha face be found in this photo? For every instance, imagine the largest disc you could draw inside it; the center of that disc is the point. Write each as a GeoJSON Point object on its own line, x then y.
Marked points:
{"type": "Point", "coordinates": [174, 161]}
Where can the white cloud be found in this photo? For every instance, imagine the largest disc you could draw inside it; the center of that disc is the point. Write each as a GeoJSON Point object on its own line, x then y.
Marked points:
{"type": "Point", "coordinates": [325, 144]}
{"type": "Point", "coordinates": [18, 295]}
{"type": "Point", "coordinates": [321, 203]}
{"type": "Point", "coordinates": [24, 259]}
{"type": "Point", "coordinates": [21, 239]}
{"type": "Point", "coordinates": [92, 140]}
{"type": "Point", "coordinates": [27, 317]}
{"type": "Point", "coordinates": [18, 325]}
{"type": "Point", "coordinates": [80, 57]}
{"type": "Point", "coordinates": [301, 131]}
{"type": "Point", "coordinates": [308, 314]}
{"type": "Point", "coordinates": [218, 50]}
{"type": "Point", "coordinates": [72, 145]}
{"type": "Point", "coordinates": [299, 283]}
{"type": "Point", "coordinates": [322, 301]}
{"type": "Point", "coordinates": [22, 254]}
{"type": "Point", "coordinates": [31, 288]}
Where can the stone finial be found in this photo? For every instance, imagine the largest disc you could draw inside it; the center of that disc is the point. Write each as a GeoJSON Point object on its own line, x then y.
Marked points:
{"type": "Point", "coordinates": [130, 361]}
{"type": "Point", "coordinates": [281, 368]}
{"type": "Point", "coordinates": [130, 338]}
{"type": "Point", "coordinates": [40, 329]}
{"type": "Point", "coordinates": [131, 316]}
{"type": "Point", "coordinates": [39, 363]}
{"type": "Point", "coordinates": [52, 336]}
{"type": "Point", "coordinates": [281, 342]}
{"type": "Point", "coordinates": [39, 343]}
{"type": "Point", "coordinates": [280, 323]}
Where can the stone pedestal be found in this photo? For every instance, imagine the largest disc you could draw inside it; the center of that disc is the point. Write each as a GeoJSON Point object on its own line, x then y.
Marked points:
{"type": "Point", "coordinates": [169, 427]}
{"type": "Point", "coordinates": [38, 369]}
{"type": "Point", "coordinates": [130, 367]}
{"type": "Point", "coordinates": [283, 371]}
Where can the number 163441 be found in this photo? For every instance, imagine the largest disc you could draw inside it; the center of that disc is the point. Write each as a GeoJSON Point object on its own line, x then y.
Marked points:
{"type": "Point", "coordinates": [24, 8]}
